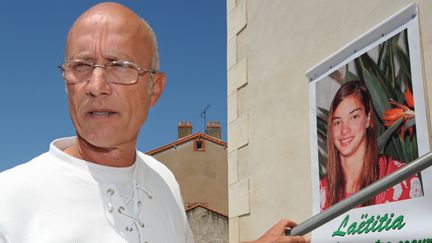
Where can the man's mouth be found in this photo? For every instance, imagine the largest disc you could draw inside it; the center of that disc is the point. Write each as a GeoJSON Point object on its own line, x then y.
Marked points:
{"type": "Point", "coordinates": [101, 113]}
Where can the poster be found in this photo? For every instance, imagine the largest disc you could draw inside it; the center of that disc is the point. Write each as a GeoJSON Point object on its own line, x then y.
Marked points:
{"type": "Point", "coordinates": [368, 119]}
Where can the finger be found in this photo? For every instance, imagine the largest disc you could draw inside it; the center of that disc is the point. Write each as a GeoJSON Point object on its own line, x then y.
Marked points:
{"type": "Point", "coordinates": [290, 239]}
{"type": "Point", "coordinates": [279, 228]}
{"type": "Point", "coordinates": [287, 223]}
{"type": "Point", "coordinates": [296, 239]}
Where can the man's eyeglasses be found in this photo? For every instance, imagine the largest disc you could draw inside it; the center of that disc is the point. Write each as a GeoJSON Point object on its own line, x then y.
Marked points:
{"type": "Point", "coordinates": [118, 72]}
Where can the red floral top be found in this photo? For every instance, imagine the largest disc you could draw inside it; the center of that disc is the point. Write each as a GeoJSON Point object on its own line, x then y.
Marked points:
{"type": "Point", "coordinates": [409, 188]}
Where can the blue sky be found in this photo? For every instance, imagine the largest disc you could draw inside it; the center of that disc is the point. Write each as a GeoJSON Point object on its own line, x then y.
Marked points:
{"type": "Point", "coordinates": [192, 44]}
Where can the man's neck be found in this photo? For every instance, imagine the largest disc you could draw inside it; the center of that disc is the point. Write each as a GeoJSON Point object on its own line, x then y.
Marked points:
{"type": "Point", "coordinates": [121, 156]}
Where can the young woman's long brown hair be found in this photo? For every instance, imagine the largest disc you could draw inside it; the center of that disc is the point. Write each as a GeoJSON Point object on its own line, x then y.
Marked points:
{"type": "Point", "coordinates": [370, 172]}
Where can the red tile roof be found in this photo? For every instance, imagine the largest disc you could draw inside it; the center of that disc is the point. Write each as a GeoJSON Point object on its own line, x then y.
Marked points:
{"type": "Point", "coordinates": [187, 139]}
{"type": "Point", "coordinates": [204, 205]}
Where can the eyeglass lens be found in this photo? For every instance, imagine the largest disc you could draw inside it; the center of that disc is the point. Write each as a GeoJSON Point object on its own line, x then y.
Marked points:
{"type": "Point", "coordinates": [114, 73]}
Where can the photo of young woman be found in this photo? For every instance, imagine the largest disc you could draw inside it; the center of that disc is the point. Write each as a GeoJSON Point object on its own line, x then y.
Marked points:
{"type": "Point", "coordinates": [353, 161]}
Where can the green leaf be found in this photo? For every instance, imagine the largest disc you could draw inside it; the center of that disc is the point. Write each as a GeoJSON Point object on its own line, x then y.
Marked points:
{"type": "Point", "coordinates": [349, 76]}
{"type": "Point", "coordinates": [321, 165]}
{"type": "Point", "coordinates": [398, 148]}
{"type": "Point", "coordinates": [410, 123]}
{"type": "Point", "coordinates": [323, 112]}
{"type": "Point", "coordinates": [321, 125]}
{"type": "Point", "coordinates": [400, 79]}
{"type": "Point", "coordinates": [379, 94]}
{"type": "Point", "coordinates": [384, 138]}
{"type": "Point", "coordinates": [359, 67]}
{"type": "Point", "coordinates": [404, 150]}
{"type": "Point", "coordinates": [389, 68]}
{"type": "Point", "coordinates": [404, 63]}
{"type": "Point", "coordinates": [381, 50]}
{"type": "Point", "coordinates": [390, 150]}
{"type": "Point", "coordinates": [369, 64]}
{"type": "Point", "coordinates": [415, 148]}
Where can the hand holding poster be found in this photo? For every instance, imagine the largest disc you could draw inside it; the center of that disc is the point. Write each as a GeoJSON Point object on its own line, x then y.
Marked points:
{"type": "Point", "coordinates": [368, 120]}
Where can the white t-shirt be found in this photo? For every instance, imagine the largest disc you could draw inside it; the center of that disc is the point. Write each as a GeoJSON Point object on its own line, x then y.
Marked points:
{"type": "Point", "coordinates": [58, 198]}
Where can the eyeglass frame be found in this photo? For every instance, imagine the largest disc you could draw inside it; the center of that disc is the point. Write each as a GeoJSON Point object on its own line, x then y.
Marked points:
{"type": "Point", "coordinates": [135, 66]}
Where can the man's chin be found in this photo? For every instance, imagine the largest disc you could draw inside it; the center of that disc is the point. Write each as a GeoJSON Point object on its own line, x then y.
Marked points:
{"type": "Point", "coordinates": [101, 141]}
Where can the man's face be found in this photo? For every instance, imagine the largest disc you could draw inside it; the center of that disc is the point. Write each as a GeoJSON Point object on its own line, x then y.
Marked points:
{"type": "Point", "coordinates": [108, 115]}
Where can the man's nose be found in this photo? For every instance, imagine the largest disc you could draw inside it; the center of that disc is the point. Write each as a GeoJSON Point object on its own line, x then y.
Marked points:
{"type": "Point", "coordinates": [97, 84]}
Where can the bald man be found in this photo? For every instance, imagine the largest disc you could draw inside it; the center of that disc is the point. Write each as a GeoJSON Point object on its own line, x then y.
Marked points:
{"type": "Point", "coordinates": [96, 187]}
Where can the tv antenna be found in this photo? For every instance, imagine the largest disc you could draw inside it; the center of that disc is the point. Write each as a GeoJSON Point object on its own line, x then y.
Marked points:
{"type": "Point", "coordinates": [203, 115]}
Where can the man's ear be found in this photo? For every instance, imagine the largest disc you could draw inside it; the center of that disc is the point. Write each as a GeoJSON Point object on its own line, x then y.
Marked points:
{"type": "Point", "coordinates": [159, 82]}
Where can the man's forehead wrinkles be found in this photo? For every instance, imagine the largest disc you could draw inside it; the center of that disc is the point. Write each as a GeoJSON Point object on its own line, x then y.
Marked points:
{"type": "Point", "coordinates": [92, 46]}
{"type": "Point", "coordinates": [122, 26]}
{"type": "Point", "coordinates": [104, 23]}
{"type": "Point", "coordinates": [108, 56]}
{"type": "Point", "coordinates": [108, 53]}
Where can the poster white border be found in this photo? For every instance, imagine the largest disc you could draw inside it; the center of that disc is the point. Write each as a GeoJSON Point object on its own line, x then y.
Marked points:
{"type": "Point", "coordinates": [406, 18]}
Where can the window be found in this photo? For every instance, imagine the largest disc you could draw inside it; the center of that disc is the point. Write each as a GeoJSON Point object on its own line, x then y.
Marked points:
{"type": "Point", "coordinates": [199, 145]}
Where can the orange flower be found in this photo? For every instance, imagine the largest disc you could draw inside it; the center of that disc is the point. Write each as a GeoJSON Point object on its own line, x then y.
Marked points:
{"type": "Point", "coordinates": [409, 97]}
{"type": "Point", "coordinates": [401, 111]}
{"type": "Point", "coordinates": [392, 115]}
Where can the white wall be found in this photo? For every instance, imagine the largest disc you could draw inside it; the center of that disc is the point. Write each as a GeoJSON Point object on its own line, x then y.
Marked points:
{"type": "Point", "coordinates": [271, 44]}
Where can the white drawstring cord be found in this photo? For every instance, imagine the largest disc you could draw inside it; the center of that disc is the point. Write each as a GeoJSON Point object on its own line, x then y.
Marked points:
{"type": "Point", "coordinates": [135, 218]}
{"type": "Point", "coordinates": [149, 195]}
{"type": "Point", "coordinates": [110, 193]}
{"type": "Point", "coordinates": [136, 221]}
{"type": "Point", "coordinates": [129, 198]}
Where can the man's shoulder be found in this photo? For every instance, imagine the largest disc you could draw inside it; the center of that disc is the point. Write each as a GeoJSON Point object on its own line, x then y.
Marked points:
{"type": "Point", "coordinates": [26, 179]}
{"type": "Point", "coordinates": [22, 184]}
{"type": "Point", "coordinates": [160, 170]}
{"type": "Point", "coordinates": [157, 167]}
{"type": "Point", "coordinates": [27, 170]}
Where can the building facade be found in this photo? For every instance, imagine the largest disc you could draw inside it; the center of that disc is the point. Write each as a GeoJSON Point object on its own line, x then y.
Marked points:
{"type": "Point", "coordinates": [199, 163]}
{"type": "Point", "coordinates": [270, 46]}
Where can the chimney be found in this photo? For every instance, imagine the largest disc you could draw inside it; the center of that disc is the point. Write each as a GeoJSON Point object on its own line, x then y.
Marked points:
{"type": "Point", "coordinates": [184, 129]}
{"type": "Point", "coordinates": [214, 129]}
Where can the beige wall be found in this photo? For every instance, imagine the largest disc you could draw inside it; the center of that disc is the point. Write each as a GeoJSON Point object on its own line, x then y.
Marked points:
{"type": "Point", "coordinates": [270, 46]}
{"type": "Point", "coordinates": [202, 176]}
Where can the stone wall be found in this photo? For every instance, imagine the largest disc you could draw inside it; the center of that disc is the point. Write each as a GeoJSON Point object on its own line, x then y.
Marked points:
{"type": "Point", "coordinates": [208, 226]}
